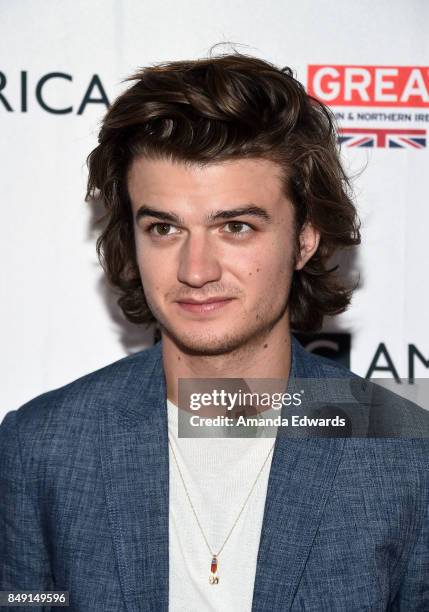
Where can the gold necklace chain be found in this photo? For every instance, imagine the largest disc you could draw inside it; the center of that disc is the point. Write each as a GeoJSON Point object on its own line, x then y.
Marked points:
{"type": "Point", "coordinates": [214, 577]}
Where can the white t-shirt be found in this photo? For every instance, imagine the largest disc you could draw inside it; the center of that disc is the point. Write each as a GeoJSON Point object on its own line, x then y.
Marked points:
{"type": "Point", "coordinates": [218, 473]}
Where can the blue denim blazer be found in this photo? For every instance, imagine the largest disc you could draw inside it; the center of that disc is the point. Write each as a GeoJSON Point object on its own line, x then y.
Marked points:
{"type": "Point", "coordinates": [84, 503]}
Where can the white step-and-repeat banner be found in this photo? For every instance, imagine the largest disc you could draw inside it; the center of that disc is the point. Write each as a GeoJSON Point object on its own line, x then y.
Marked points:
{"type": "Point", "coordinates": [62, 63]}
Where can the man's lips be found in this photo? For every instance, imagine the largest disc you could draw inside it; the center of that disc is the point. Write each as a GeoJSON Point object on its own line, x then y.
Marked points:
{"type": "Point", "coordinates": [208, 305]}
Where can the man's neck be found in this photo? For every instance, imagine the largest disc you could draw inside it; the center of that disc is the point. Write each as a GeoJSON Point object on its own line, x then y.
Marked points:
{"type": "Point", "coordinates": [269, 357]}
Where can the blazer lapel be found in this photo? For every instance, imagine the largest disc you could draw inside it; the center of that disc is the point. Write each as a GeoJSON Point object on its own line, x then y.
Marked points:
{"type": "Point", "coordinates": [134, 460]}
{"type": "Point", "coordinates": [301, 477]}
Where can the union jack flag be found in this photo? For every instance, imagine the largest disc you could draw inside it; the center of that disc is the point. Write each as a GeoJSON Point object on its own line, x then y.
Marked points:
{"type": "Point", "coordinates": [382, 137]}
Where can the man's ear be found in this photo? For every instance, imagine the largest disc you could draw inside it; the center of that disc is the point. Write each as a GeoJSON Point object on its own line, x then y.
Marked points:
{"type": "Point", "coordinates": [309, 239]}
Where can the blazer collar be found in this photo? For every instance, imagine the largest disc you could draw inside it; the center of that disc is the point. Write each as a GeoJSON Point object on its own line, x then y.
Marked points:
{"type": "Point", "coordinates": [135, 466]}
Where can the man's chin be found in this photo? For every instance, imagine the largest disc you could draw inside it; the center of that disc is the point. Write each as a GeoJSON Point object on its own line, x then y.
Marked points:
{"type": "Point", "coordinates": [205, 345]}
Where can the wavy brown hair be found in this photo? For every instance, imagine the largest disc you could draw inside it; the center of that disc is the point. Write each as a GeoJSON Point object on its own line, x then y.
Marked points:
{"type": "Point", "coordinates": [227, 107]}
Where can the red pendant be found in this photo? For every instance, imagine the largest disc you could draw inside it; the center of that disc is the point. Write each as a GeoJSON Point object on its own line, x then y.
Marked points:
{"type": "Point", "coordinates": [214, 578]}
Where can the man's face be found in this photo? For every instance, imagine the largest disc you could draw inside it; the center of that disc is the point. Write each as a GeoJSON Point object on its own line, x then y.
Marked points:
{"type": "Point", "coordinates": [215, 249]}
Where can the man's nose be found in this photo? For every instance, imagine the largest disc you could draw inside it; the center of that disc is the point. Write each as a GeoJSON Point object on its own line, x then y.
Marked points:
{"type": "Point", "coordinates": [198, 262]}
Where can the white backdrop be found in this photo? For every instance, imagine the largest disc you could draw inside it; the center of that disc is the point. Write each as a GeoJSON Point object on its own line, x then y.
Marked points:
{"type": "Point", "coordinates": [58, 320]}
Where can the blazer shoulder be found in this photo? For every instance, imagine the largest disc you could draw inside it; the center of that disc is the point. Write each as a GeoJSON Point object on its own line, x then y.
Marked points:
{"type": "Point", "coordinates": [79, 398]}
{"type": "Point", "coordinates": [376, 411]}
{"type": "Point", "coordinates": [310, 365]}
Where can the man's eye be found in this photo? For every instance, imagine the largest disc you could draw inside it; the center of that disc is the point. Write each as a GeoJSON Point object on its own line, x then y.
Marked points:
{"type": "Point", "coordinates": [237, 227]}
{"type": "Point", "coordinates": [162, 229]}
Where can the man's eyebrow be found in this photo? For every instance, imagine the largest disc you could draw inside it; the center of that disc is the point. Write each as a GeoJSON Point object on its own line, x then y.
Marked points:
{"type": "Point", "coordinates": [148, 211]}
{"type": "Point", "coordinates": [231, 213]}
{"type": "Point", "coordinates": [251, 209]}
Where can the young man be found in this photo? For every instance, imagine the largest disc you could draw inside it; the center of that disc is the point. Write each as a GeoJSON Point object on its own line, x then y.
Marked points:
{"type": "Point", "coordinates": [225, 199]}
